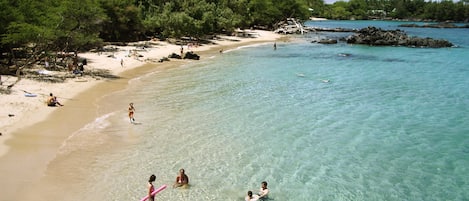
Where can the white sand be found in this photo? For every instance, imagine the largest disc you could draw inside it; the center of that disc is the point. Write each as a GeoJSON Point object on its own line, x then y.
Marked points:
{"type": "Point", "coordinates": [27, 111]}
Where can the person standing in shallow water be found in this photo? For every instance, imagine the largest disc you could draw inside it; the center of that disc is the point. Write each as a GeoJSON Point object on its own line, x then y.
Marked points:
{"type": "Point", "coordinates": [151, 188]}
{"type": "Point", "coordinates": [182, 180]}
{"type": "Point", "coordinates": [131, 112]}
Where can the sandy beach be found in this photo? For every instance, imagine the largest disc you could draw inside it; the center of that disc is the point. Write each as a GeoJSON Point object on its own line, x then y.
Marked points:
{"type": "Point", "coordinates": [32, 132]}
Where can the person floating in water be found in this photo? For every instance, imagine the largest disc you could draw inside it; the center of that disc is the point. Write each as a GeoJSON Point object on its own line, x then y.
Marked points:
{"type": "Point", "coordinates": [131, 112]}
{"type": "Point", "coordinates": [151, 188]}
{"type": "Point", "coordinates": [182, 180]}
{"type": "Point", "coordinates": [264, 191]}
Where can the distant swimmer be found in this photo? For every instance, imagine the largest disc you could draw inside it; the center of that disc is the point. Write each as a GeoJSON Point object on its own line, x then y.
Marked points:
{"type": "Point", "coordinates": [300, 75]}
{"type": "Point", "coordinates": [344, 54]}
{"type": "Point", "coordinates": [131, 112]}
{"type": "Point", "coordinates": [182, 180]}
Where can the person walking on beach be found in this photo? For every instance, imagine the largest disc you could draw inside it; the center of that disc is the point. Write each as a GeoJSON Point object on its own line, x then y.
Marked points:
{"type": "Point", "coordinates": [122, 62]}
{"type": "Point", "coordinates": [131, 112]}
{"type": "Point", "coordinates": [182, 179]}
{"type": "Point", "coordinates": [264, 191]}
{"type": "Point", "coordinates": [151, 188]}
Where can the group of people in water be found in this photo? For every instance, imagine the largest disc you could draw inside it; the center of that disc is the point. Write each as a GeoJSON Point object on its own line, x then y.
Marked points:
{"type": "Point", "coordinates": [182, 180]}
{"type": "Point", "coordinates": [263, 192]}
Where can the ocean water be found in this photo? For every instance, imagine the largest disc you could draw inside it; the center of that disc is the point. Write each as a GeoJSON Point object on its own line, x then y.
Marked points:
{"type": "Point", "coordinates": [317, 122]}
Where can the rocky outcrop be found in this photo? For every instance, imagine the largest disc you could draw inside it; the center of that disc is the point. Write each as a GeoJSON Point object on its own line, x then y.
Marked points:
{"type": "Point", "coordinates": [378, 37]}
{"type": "Point", "coordinates": [326, 41]}
{"type": "Point", "coordinates": [191, 55]}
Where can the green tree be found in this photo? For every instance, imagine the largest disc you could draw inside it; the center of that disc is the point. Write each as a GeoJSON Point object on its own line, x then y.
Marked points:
{"type": "Point", "coordinates": [339, 10]}
{"type": "Point", "coordinates": [79, 24]}
{"type": "Point", "coordinates": [124, 21]}
{"type": "Point", "coordinates": [358, 9]}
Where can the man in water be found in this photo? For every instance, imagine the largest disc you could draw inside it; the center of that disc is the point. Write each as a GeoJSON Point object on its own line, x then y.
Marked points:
{"type": "Point", "coordinates": [264, 191]}
{"type": "Point", "coordinates": [131, 112]}
{"type": "Point", "coordinates": [182, 179]}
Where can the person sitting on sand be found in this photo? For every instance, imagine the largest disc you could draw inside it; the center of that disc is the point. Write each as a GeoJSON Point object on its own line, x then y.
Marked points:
{"type": "Point", "coordinates": [250, 197]}
{"type": "Point", "coordinates": [264, 191]}
{"type": "Point", "coordinates": [52, 101]}
{"type": "Point", "coordinates": [182, 179]}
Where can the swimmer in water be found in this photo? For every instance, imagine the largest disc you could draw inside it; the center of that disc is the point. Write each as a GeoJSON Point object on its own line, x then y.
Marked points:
{"type": "Point", "coordinates": [182, 180]}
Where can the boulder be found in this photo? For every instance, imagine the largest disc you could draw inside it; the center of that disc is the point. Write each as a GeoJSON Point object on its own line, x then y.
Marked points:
{"type": "Point", "coordinates": [175, 56]}
{"type": "Point", "coordinates": [327, 41]}
{"type": "Point", "coordinates": [163, 59]}
{"type": "Point", "coordinates": [378, 37]}
{"type": "Point", "coordinates": [191, 55]}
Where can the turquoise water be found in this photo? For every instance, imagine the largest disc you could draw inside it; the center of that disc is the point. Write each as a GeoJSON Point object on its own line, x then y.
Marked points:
{"type": "Point", "coordinates": [392, 123]}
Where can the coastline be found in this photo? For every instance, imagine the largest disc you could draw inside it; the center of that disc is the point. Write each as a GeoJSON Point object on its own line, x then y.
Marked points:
{"type": "Point", "coordinates": [31, 137]}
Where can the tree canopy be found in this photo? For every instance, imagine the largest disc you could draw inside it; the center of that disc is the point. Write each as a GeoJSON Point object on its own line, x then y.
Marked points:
{"type": "Point", "coordinates": [70, 25]}
{"type": "Point", "coordinates": [398, 9]}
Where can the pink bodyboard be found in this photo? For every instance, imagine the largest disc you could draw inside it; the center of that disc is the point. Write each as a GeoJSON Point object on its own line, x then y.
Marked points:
{"type": "Point", "coordinates": [154, 192]}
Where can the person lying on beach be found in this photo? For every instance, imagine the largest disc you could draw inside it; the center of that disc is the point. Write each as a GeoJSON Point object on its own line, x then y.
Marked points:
{"type": "Point", "coordinates": [52, 101]}
{"type": "Point", "coordinates": [264, 191]}
{"type": "Point", "coordinates": [182, 180]}
{"type": "Point", "coordinates": [250, 197]}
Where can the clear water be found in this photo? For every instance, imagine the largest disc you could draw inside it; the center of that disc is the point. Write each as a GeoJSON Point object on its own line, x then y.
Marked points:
{"type": "Point", "coordinates": [392, 123]}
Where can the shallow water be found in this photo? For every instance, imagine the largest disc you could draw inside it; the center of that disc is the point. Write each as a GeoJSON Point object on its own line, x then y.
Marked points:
{"type": "Point", "coordinates": [390, 123]}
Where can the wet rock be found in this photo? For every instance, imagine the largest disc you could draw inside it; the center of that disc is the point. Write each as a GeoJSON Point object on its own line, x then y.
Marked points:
{"type": "Point", "coordinates": [378, 37]}
{"type": "Point", "coordinates": [191, 55]}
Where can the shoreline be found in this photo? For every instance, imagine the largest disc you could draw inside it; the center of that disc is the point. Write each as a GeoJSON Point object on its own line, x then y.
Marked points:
{"type": "Point", "coordinates": [31, 138]}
